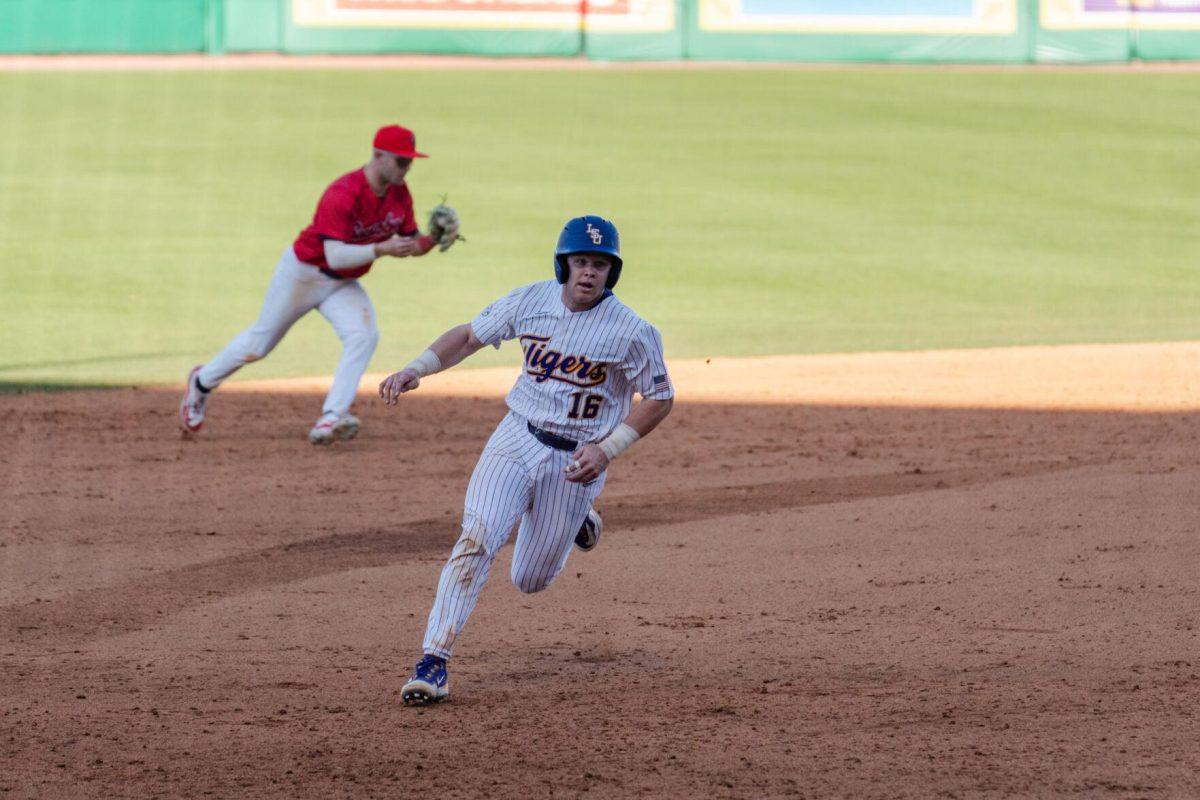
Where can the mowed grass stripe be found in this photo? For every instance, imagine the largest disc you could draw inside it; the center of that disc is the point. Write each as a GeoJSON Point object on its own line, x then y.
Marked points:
{"type": "Point", "coordinates": [141, 214]}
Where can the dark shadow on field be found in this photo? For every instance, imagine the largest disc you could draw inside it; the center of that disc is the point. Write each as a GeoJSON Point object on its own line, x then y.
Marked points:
{"type": "Point", "coordinates": [42, 387]}
{"type": "Point", "coordinates": [281, 511]}
{"type": "Point", "coordinates": [78, 362]}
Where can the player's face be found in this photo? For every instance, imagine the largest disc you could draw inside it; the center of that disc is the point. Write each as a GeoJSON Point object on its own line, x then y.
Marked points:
{"type": "Point", "coordinates": [586, 275]}
{"type": "Point", "coordinates": [392, 168]}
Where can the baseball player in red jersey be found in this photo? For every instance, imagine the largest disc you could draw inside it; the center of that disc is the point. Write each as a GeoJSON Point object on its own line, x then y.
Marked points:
{"type": "Point", "coordinates": [362, 216]}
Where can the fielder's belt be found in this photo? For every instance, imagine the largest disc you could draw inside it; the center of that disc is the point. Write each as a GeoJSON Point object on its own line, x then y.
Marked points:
{"type": "Point", "coordinates": [553, 439]}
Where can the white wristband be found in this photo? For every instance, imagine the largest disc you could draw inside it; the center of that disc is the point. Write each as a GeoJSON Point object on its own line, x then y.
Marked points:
{"type": "Point", "coordinates": [619, 441]}
{"type": "Point", "coordinates": [425, 364]}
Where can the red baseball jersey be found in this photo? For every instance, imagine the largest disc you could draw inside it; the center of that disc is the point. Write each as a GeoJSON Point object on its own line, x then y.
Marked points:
{"type": "Point", "coordinates": [351, 212]}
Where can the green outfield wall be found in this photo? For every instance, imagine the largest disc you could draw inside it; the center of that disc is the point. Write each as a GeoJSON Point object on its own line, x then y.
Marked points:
{"type": "Point", "coordinates": [915, 31]}
{"type": "Point", "coordinates": [112, 26]}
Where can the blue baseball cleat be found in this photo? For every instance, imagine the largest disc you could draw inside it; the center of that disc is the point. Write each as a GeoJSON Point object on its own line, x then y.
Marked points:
{"type": "Point", "coordinates": [429, 684]}
{"type": "Point", "coordinates": [589, 532]}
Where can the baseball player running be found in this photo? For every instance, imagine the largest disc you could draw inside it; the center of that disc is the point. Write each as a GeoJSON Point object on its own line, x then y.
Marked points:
{"type": "Point", "coordinates": [362, 216]}
{"type": "Point", "coordinates": [586, 354]}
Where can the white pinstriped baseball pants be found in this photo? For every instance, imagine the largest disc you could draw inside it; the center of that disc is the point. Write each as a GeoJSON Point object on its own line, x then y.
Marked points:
{"type": "Point", "coordinates": [516, 479]}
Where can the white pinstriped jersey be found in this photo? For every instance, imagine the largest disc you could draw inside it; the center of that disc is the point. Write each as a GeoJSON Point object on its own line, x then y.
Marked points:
{"type": "Point", "coordinates": [581, 368]}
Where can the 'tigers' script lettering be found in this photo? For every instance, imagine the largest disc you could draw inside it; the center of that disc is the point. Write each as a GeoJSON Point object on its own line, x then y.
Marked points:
{"type": "Point", "coordinates": [545, 364]}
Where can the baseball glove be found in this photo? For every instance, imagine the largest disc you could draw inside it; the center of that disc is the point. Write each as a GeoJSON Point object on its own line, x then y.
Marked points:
{"type": "Point", "coordinates": [443, 226]}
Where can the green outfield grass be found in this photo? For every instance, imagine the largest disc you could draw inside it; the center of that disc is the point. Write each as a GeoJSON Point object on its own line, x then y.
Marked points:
{"type": "Point", "coordinates": [141, 214]}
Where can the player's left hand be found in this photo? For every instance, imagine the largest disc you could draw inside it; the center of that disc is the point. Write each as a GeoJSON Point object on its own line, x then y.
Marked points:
{"type": "Point", "coordinates": [443, 226]}
{"type": "Point", "coordinates": [586, 464]}
{"type": "Point", "coordinates": [396, 384]}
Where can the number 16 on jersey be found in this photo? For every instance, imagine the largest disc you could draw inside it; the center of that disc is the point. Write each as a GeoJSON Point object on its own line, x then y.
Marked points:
{"type": "Point", "coordinates": [584, 405]}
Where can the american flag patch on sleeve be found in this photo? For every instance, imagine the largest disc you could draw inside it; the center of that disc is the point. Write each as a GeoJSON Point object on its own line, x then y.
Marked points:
{"type": "Point", "coordinates": [661, 384]}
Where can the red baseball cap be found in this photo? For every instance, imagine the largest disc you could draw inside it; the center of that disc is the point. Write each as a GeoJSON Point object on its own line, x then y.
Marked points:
{"type": "Point", "coordinates": [397, 140]}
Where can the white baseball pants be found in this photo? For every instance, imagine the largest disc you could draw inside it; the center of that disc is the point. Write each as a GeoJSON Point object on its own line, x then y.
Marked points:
{"type": "Point", "coordinates": [517, 478]}
{"type": "Point", "coordinates": [295, 289]}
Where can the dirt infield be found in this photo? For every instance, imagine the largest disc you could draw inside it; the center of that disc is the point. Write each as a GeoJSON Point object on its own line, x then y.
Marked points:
{"type": "Point", "coordinates": [870, 598]}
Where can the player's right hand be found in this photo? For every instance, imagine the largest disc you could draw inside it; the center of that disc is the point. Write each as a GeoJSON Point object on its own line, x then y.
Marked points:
{"type": "Point", "coordinates": [396, 384]}
{"type": "Point", "coordinates": [398, 246]}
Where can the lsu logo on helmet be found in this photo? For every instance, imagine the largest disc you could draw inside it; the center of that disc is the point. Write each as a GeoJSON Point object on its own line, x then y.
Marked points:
{"type": "Point", "coordinates": [589, 234]}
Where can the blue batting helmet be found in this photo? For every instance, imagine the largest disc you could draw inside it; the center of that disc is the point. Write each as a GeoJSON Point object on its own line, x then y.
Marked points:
{"type": "Point", "coordinates": [589, 234]}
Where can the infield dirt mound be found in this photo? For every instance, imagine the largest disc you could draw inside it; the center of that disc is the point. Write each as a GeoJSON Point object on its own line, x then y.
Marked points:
{"type": "Point", "coordinates": [789, 600]}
